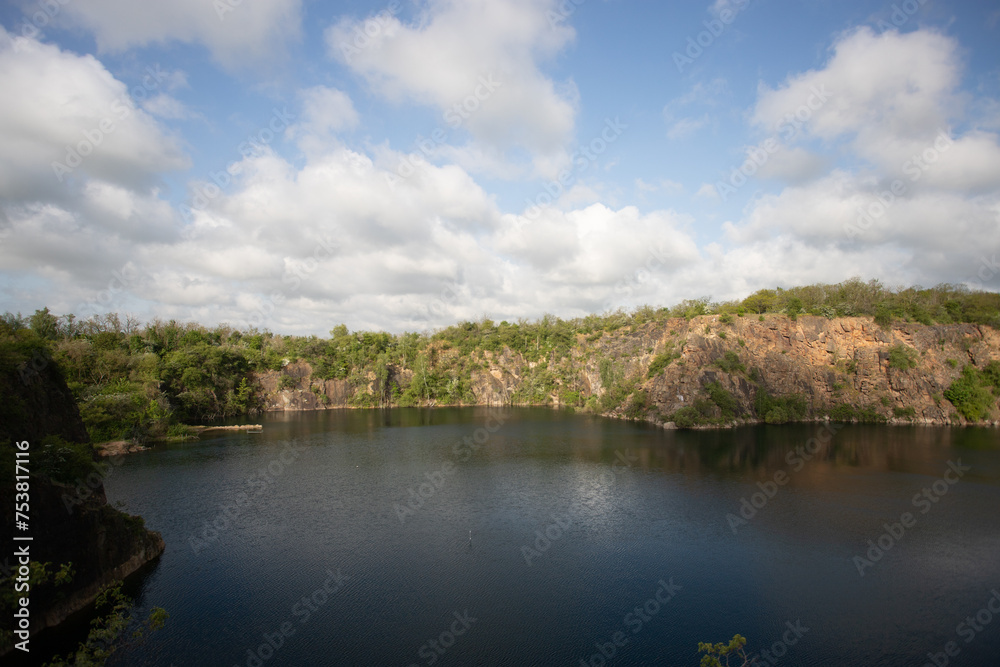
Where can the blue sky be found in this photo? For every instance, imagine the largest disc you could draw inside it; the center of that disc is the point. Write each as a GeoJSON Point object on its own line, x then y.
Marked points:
{"type": "Point", "coordinates": [592, 161]}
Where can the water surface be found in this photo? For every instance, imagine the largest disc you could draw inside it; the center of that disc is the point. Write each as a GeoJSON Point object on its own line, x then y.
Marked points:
{"type": "Point", "coordinates": [535, 540]}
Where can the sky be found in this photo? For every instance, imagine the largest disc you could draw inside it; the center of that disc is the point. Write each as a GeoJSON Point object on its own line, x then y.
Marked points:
{"type": "Point", "coordinates": [404, 165]}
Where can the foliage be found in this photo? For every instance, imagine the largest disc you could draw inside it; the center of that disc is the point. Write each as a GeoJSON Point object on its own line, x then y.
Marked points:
{"type": "Point", "coordinates": [779, 410]}
{"type": "Point", "coordinates": [904, 413]}
{"type": "Point", "coordinates": [116, 626]}
{"type": "Point", "coordinates": [723, 399]}
{"type": "Point", "coordinates": [970, 393]}
{"type": "Point", "coordinates": [902, 357]}
{"type": "Point", "coordinates": [62, 461]}
{"type": "Point", "coordinates": [734, 649]}
{"type": "Point", "coordinates": [661, 361]}
{"type": "Point", "coordinates": [730, 362]}
{"type": "Point", "coordinates": [845, 412]}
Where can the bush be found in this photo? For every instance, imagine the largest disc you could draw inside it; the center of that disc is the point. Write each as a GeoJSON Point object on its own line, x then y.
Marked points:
{"type": "Point", "coordinates": [970, 395]}
{"type": "Point", "coordinates": [660, 362]}
{"type": "Point", "coordinates": [780, 410]}
{"type": "Point", "coordinates": [730, 363]}
{"type": "Point", "coordinates": [902, 358]}
{"type": "Point", "coordinates": [904, 413]}
{"type": "Point", "coordinates": [722, 398]}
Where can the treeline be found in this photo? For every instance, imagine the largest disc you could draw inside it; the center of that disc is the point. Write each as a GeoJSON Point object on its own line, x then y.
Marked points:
{"type": "Point", "coordinates": [138, 381]}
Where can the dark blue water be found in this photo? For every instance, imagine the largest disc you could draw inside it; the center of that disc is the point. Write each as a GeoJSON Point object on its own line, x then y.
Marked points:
{"type": "Point", "coordinates": [593, 540]}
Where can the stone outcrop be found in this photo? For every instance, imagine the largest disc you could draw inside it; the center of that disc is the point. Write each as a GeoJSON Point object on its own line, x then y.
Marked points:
{"type": "Point", "coordinates": [826, 361]}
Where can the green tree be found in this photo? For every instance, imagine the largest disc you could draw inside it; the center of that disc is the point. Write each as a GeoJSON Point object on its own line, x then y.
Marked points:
{"type": "Point", "coordinates": [45, 324]}
{"type": "Point", "coordinates": [734, 649]}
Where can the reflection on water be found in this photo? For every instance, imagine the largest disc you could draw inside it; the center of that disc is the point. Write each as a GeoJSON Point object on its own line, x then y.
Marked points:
{"type": "Point", "coordinates": [389, 499]}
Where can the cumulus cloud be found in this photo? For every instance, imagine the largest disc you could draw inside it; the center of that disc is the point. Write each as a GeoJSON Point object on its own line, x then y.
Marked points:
{"type": "Point", "coordinates": [477, 61]}
{"type": "Point", "coordinates": [66, 118]}
{"type": "Point", "coordinates": [920, 193]}
{"type": "Point", "coordinates": [237, 34]}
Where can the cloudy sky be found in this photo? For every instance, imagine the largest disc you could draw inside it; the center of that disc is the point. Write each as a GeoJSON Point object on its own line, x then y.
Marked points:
{"type": "Point", "coordinates": [406, 164]}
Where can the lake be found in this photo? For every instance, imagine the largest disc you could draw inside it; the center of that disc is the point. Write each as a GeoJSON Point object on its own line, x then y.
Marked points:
{"type": "Point", "coordinates": [478, 536]}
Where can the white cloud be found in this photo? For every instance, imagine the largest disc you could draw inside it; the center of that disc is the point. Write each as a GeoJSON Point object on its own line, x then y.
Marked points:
{"type": "Point", "coordinates": [685, 127]}
{"type": "Point", "coordinates": [707, 191]}
{"type": "Point", "coordinates": [66, 118]}
{"type": "Point", "coordinates": [478, 61]}
{"type": "Point", "coordinates": [237, 34]}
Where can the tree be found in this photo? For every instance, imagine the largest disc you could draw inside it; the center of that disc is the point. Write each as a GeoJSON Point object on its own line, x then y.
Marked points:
{"type": "Point", "coordinates": [733, 649]}
{"type": "Point", "coordinates": [45, 324]}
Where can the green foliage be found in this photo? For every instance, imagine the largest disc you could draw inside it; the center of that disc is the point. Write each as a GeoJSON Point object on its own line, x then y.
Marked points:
{"type": "Point", "coordinates": [730, 362]}
{"type": "Point", "coordinates": [715, 652]}
{"type": "Point", "coordinates": [779, 410]}
{"type": "Point", "coordinates": [287, 382]}
{"type": "Point", "coordinates": [845, 412]}
{"type": "Point", "coordinates": [115, 627]}
{"type": "Point", "coordinates": [952, 362]}
{"type": "Point", "coordinates": [904, 413]}
{"type": "Point", "coordinates": [902, 357]}
{"type": "Point", "coordinates": [726, 318]}
{"type": "Point", "coordinates": [970, 393]}
{"type": "Point", "coordinates": [661, 361]}
{"type": "Point", "coordinates": [62, 461]}
{"type": "Point", "coordinates": [722, 398]}
{"type": "Point", "coordinates": [638, 406]}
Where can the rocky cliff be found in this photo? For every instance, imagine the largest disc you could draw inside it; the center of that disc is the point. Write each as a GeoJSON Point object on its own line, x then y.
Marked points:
{"type": "Point", "coordinates": [70, 520]}
{"type": "Point", "coordinates": [897, 373]}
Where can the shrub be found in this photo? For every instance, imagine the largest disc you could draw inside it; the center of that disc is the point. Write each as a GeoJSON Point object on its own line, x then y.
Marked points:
{"type": "Point", "coordinates": [970, 395]}
{"type": "Point", "coordinates": [900, 413]}
{"type": "Point", "coordinates": [637, 406]}
{"type": "Point", "coordinates": [902, 358]}
{"type": "Point", "coordinates": [843, 413]}
{"type": "Point", "coordinates": [726, 318]}
{"type": "Point", "coordinates": [730, 363]}
{"type": "Point", "coordinates": [775, 410]}
{"type": "Point", "coordinates": [660, 362]}
{"type": "Point", "coordinates": [725, 401]}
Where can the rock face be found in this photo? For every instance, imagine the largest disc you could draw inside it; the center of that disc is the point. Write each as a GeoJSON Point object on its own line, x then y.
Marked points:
{"type": "Point", "coordinates": [68, 523]}
{"type": "Point", "coordinates": [828, 362]}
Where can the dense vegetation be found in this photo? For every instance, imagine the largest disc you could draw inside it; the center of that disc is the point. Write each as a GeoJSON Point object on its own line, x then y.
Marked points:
{"type": "Point", "coordinates": [136, 381]}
